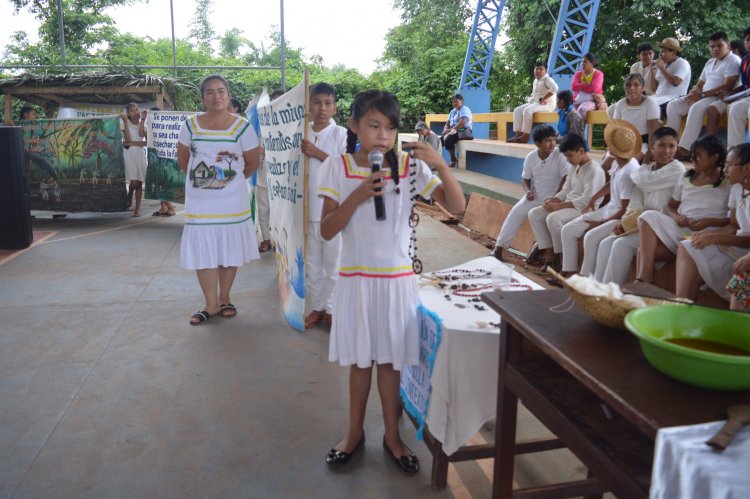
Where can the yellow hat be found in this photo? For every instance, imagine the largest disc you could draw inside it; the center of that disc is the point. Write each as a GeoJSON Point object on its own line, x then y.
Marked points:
{"type": "Point", "coordinates": [623, 139]}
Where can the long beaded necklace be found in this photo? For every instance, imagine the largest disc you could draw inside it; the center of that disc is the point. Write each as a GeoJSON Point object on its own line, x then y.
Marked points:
{"type": "Point", "coordinates": [461, 274]}
{"type": "Point", "coordinates": [416, 263]}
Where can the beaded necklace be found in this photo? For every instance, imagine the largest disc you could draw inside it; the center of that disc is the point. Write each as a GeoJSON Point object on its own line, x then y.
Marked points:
{"type": "Point", "coordinates": [416, 263]}
{"type": "Point", "coordinates": [460, 274]}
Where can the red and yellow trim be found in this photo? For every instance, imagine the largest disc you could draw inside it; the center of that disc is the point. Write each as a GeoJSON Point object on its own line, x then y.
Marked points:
{"type": "Point", "coordinates": [353, 170]}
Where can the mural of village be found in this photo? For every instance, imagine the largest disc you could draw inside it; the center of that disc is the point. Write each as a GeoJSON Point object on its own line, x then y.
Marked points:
{"type": "Point", "coordinates": [75, 165]}
{"type": "Point", "coordinates": [164, 179]}
{"type": "Point", "coordinates": [214, 176]}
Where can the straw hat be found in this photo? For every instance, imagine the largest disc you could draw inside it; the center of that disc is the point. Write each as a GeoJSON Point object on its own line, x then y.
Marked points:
{"type": "Point", "coordinates": [421, 125]}
{"type": "Point", "coordinates": [671, 44]}
{"type": "Point", "coordinates": [629, 222]}
{"type": "Point", "coordinates": [623, 139]}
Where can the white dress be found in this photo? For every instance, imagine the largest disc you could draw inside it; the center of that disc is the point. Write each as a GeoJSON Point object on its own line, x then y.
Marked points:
{"type": "Point", "coordinates": [696, 202]}
{"type": "Point", "coordinates": [219, 230]}
{"type": "Point", "coordinates": [134, 157]}
{"type": "Point", "coordinates": [715, 262]}
{"type": "Point", "coordinates": [376, 298]}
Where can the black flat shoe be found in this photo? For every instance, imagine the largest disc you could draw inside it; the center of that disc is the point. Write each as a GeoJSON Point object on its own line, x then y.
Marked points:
{"type": "Point", "coordinates": [339, 458]}
{"type": "Point", "coordinates": [408, 464]}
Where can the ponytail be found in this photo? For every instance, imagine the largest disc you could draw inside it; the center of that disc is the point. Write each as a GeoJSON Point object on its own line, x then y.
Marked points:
{"type": "Point", "coordinates": [351, 141]}
{"type": "Point", "coordinates": [392, 158]}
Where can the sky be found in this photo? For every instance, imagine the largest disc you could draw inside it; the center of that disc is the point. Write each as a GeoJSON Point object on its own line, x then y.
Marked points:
{"type": "Point", "coordinates": [319, 27]}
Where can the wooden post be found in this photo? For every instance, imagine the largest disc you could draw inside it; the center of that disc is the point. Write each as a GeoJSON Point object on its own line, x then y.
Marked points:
{"type": "Point", "coordinates": [8, 109]}
{"type": "Point", "coordinates": [306, 163]}
{"type": "Point", "coordinates": [160, 101]}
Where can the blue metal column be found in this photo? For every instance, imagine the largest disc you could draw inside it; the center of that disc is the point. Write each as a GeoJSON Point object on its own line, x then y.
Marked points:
{"type": "Point", "coordinates": [478, 62]}
{"type": "Point", "coordinates": [575, 27]}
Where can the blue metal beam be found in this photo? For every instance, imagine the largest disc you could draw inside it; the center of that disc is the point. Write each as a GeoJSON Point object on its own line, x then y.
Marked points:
{"type": "Point", "coordinates": [575, 27]}
{"type": "Point", "coordinates": [478, 60]}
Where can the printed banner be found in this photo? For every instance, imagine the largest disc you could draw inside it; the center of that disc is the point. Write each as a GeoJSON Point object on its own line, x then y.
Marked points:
{"type": "Point", "coordinates": [91, 110]}
{"type": "Point", "coordinates": [164, 179]}
{"type": "Point", "coordinates": [282, 125]}
{"type": "Point", "coordinates": [251, 113]}
{"type": "Point", "coordinates": [75, 165]}
{"type": "Point", "coordinates": [415, 380]}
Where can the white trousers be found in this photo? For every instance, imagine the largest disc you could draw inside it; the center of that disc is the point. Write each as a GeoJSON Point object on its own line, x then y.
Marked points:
{"type": "Point", "coordinates": [523, 115]}
{"type": "Point", "coordinates": [517, 215]}
{"type": "Point", "coordinates": [615, 256]}
{"type": "Point", "coordinates": [264, 212]}
{"type": "Point", "coordinates": [591, 242]}
{"type": "Point", "coordinates": [571, 233]}
{"type": "Point", "coordinates": [322, 265]}
{"type": "Point", "coordinates": [548, 226]}
{"type": "Point", "coordinates": [739, 112]}
{"type": "Point", "coordinates": [678, 108]}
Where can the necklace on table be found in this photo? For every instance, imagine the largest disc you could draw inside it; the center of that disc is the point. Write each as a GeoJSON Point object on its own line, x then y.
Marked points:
{"type": "Point", "coordinates": [461, 274]}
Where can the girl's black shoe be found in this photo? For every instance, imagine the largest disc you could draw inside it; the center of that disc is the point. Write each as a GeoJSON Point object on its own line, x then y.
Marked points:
{"type": "Point", "coordinates": [339, 458]}
{"type": "Point", "coordinates": [408, 464]}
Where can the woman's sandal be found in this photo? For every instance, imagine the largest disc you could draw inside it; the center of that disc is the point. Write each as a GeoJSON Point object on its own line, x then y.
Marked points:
{"type": "Point", "coordinates": [265, 246]}
{"type": "Point", "coordinates": [340, 458]}
{"type": "Point", "coordinates": [408, 464]}
{"type": "Point", "coordinates": [157, 213]}
{"type": "Point", "coordinates": [199, 318]}
{"type": "Point", "coordinates": [224, 310]}
{"type": "Point", "coordinates": [314, 317]}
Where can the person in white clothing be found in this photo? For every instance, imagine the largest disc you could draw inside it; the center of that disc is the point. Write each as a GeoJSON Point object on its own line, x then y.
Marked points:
{"type": "Point", "coordinates": [671, 75]}
{"type": "Point", "coordinates": [542, 99]}
{"type": "Point", "coordinates": [322, 255]}
{"type": "Point", "coordinates": [544, 172]}
{"type": "Point", "coordinates": [134, 155]}
{"type": "Point", "coordinates": [653, 184]}
{"type": "Point", "coordinates": [719, 75]}
{"type": "Point", "coordinates": [624, 143]}
{"type": "Point", "coordinates": [645, 66]}
{"type": "Point", "coordinates": [739, 108]}
{"type": "Point", "coordinates": [699, 201]}
{"type": "Point", "coordinates": [585, 178]}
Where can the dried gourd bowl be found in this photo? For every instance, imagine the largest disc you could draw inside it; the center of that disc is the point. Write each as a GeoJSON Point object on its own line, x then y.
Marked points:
{"type": "Point", "coordinates": [704, 347]}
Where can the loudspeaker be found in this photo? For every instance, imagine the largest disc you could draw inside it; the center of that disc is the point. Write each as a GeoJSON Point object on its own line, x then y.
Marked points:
{"type": "Point", "coordinates": [15, 211]}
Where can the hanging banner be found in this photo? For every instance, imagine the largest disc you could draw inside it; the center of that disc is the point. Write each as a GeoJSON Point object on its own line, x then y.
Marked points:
{"type": "Point", "coordinates": [91, 110]}
{"type": "Point", "coordinates": [415, 380]}
{"type": "Point", "coordinates": [282, 126]}
{"type": "Point", "coordinates": [261, 99]}
{"type": "Point", "coordinates": [75, 165]}
{"type": "Point", "coordinates": [164, 179]}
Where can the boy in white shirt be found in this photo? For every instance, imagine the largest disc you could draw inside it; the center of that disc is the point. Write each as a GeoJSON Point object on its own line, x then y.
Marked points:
{"type": "Point", "coordinates": [543, 98]}
{"type": "Point", "coordinates": [671, 74]}
{"type": "Point", "coordinates": [585, 178]}
{"type": "Point", "coordinates": [719, 75]}
{"type": "Point", "coordinates": [645, 66]}
{"type": "Point", "coordinates": [544, 172]}
{"type": "Point", "coordinates": [322, 256]}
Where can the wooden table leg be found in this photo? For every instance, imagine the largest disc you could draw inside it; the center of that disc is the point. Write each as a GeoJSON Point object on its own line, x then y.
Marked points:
{"type": "Point", "coordinates": [505, 430]}
{"type": "Point", "coordinates": [440, 463]}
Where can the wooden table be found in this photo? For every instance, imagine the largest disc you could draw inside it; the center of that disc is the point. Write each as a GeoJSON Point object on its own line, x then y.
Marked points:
{"type": "Point", "coordinates": [592, 387]}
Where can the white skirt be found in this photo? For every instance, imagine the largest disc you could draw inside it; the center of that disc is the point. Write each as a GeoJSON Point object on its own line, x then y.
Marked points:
{"type": "Point", "coordinates": [666, 228]}
{"type": "Point", "coordinates": [213, 246]}
{"type": "Point", "coordinates": [375, 320]}
{"type": "Point", "coordinates": [135, 163]}
{"type": "Point", "coordinates": [715, 265]}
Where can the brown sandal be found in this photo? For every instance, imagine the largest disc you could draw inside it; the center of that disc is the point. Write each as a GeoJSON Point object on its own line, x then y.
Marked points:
{"type": "Point", "coordinates": [264, 246]}
{"type": "Point", "coordinates": [314, 317]}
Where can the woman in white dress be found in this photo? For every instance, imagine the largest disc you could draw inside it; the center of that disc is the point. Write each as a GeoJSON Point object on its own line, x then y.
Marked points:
{"type": "Point", "coordinates": [709, 255]}
{"type": "Point", "coordinates": [218, 151]}
{"type": "Point", "coordinates": [699, 201]}
{"type": "Point", "coordinates": [134, 155]}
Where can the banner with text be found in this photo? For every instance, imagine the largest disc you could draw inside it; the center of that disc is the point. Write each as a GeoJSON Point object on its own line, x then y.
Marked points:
{"type": "Point", "coordinates": [75, 165]}
{"type": "Point", "coordinates": [415, 380]}
{"type": "Point", "coordinates": [164, 179]}
{"type": "Point", "coordinates": [282, 125]}
{"type": "Point", "coordinates": [251, 113]}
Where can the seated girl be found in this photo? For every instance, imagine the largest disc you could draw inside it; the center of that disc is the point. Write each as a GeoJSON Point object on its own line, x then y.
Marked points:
{"type": "Point", "coordinates": [699, 201]}
{"type": "Point", "coordinates": [709, 256]}
{"type": "Point", "coordinates": [639, 110]}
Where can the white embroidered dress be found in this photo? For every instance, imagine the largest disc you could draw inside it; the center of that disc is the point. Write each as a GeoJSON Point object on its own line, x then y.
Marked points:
{"type": "Point", "coordinates": [219, 230]}
{"type": "Point", "coordinates": [376, 298]}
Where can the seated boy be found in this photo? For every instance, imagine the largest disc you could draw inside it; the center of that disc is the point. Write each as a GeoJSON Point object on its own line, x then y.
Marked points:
{"type": "Point", "coordinates": [740, 106]}
{"type": "Point", "coordinates": [542, 99]}
{"type": "Point", "coordinates": [719, 75]}
{"type": "Point", "coordinates": [645, 66]}
{"type": "Point", "coordinates": [671, 74]}
{"type": "Point", "coordinates": [624, 144]}
{"type": "Point", "coordinates": [584, 179]}
{"type": "Point", "coordinates": [544, 172]}
{"type": "Point", "coordinates": [569, 120]}
{"type": "Point", "coordinates": [322, 256]}
{"type": "Point", "coordinates": [653, 186]}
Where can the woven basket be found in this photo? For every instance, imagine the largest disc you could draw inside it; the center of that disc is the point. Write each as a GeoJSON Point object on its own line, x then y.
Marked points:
{"type": "Point", "coordinates": [606, 311]}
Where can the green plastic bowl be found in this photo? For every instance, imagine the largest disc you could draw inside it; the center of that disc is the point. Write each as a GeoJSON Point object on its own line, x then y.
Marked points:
{"type": "Point", "coordinates": [655, 324]}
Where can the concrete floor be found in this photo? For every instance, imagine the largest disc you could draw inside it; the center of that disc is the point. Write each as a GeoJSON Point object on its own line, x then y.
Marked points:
{"type": "Point", "coordinates": [107, 391]}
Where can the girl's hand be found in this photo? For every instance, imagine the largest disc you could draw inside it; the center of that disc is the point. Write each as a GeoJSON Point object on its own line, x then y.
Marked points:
{"type": "Point", "coordinates": [367, 188]}
{"type": "Point", "coordinates": [682, 220]}
{"type": "Point", "coordinates": [698, 224]}
{"type": "Point", "coordinates": [702, 239]}
{"type": "Point", "coordinates": [589, 207]}
{"type": "Point", "coordinates": [425, 152]}
{"type": "Point", "coordinates": [124, 116]}
{"type": "Point", "coordinates": [742, 265]}
{"type": "Point", "coordinates": [619, 229]}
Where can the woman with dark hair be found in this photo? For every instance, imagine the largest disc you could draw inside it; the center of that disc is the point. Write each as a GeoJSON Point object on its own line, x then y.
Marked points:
{"type": "Point", "coordinates": [458, 127]}
{"type": "Point", "coordinates": [217, 150]}
{"type": "Point", "coordinates": [588, 85]}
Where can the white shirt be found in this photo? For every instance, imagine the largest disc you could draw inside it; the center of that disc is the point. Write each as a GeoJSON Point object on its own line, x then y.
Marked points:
{"type": "Point", "coordinates": [620, 186]}
{"type": "Point", "coordinates": [581, 184]}
{"type": "Point", "coordinates": [545, 174]}
{"type": "Point", "coordinates": [680, 68]}
{"type": "Point", "coordinates": [716, 71]}
{"type": "Point", "coordinates": [638, 68]}
{"type": "Point", "coordinates": [742, 209]}
{"type": "Point", "coordinates": [639, 115]}
{"type": "Point", "coordinates": [701, 201]}
{"type": "Point", "coordinates": [332, 141]}
{"type": "Point", "coordinates": [542, 87]}
{"type": "Point", "coordinates": [653, 188]}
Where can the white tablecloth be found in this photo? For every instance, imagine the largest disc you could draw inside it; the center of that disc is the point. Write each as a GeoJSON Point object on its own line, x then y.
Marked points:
{"type": "Point", "coordinates": [684, 466]}
{"type": "Point", "coordinates": [464, 377]}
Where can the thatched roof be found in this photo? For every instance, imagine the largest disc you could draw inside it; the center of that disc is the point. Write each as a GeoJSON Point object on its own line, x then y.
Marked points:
{"type": "Point", "coordinates": [54, 90]}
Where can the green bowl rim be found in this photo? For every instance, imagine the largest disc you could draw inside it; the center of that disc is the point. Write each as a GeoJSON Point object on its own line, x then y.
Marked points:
{"type": "Point", "coordinates": [691, 352]}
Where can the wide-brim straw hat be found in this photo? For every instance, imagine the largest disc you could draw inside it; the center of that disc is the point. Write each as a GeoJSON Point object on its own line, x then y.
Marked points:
{"type": "Point", "coordinates": [671, 44]}
{"type": "Point", "coordinates": [623, 139]}
{"type": "Point", "coordinates": [629, 222]}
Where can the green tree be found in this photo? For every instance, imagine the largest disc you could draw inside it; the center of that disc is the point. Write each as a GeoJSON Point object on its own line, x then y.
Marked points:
{"type": "Point", "coordinates": [201, 31]}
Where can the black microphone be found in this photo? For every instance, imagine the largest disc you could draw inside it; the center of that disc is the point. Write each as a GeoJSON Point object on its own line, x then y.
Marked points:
{"type": "Point", "coordinates": [376, 160]}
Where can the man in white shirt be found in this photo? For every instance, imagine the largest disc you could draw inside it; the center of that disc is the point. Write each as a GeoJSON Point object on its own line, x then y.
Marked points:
{"type": "Point", "coordinates": [542, 99]}
{"type": "Point", "coordinates": [719, 75]}
{"type": "Point", "coordinates": [645, 66]}
{"type": "Point", "coordinates": [585, 178]}
{"type": "Point", "coordinates": [671, 74]}
{"type": "Point", "coordinates": [544, 172]}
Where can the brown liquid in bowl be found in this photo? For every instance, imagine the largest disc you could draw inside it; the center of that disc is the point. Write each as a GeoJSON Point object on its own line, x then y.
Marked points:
{"type": "Point", "coordinates": [709, 346]}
